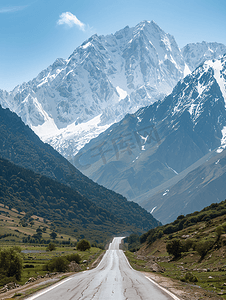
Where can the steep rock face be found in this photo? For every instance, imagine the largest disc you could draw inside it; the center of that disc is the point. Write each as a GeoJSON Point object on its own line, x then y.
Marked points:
{"type": "Point", "coordinates": [160, 142]}
{"type": "Point", "coordinates": [106, 77]}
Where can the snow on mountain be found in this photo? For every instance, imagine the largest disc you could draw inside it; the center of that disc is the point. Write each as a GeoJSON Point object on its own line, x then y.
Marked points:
{"type": "Point", "coordinates": [196, 53]}
{"type": "Point", "coordinates": [105, 78]}
{"type": "Point", "coordinates": [76, 99]}
{"type": "Point", "coordinates": [164, 141]}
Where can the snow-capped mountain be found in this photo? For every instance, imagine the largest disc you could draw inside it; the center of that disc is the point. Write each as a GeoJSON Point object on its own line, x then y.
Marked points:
{"type": "Point", "coordinates": [106, 77]}
{"type": "Point", "coordinates": [160, 144]}
{"type": "Point", "coordinates": [196, 53]}
{"type": "Point", "coordinates": [76, 99]}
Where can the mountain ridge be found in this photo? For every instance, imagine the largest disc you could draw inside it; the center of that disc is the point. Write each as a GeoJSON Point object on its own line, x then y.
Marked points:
{"type": "Point", "coordinates": [75, 99]}
{"type": "Point", "coordinates": [160, 141]}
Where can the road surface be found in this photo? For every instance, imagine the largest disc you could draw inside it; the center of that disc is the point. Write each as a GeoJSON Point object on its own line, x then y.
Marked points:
{"type": "Point", "coordinates": [113, 279]}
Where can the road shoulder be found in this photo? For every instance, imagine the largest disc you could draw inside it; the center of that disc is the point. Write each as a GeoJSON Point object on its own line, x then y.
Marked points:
{"type": "Point", "coordinates": [181, 290]}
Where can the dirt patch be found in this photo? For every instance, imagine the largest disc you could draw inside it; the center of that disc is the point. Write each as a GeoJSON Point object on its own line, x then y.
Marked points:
{"type": "Point", "coordinates": [182, 290]}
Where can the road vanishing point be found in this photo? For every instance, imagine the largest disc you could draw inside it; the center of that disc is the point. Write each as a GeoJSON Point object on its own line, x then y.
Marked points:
{"type": "Point", "coordinates": [112, 279]}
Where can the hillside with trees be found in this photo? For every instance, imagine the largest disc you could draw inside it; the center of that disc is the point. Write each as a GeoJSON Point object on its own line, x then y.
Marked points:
{"type": "Point", "coordinates": [192, 249]}
{"type": "Point", "coordinates": [20, 145]}
{"type": "Point", "coordinates": [66, 210]}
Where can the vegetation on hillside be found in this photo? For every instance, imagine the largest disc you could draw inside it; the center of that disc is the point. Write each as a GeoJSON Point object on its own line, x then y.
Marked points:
{"type": "Point", "coordinates": [182, 222]}
{"type": "Point", "coordinates": [67, 210]}
{"type": "Point", "coordinates": [192, 249]}
{"type": "Point", "coordinates": [20, 145]}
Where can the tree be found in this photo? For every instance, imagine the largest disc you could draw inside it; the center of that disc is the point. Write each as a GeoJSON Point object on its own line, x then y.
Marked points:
{"type": "Point", "coordinates": [51, 247]}
{"type": "Point", "coordinates": [174, 247]}
{"type": "Point", "coordinates": [203, 247]}
{"type": "Point", "coordinates": [53, 235]}
{"type": "Point", "coordinates": [219, 231]}
{"type": "Point", "coordinates": [83, 245]}
{"type": "Point", "coordinates": [11, 263]}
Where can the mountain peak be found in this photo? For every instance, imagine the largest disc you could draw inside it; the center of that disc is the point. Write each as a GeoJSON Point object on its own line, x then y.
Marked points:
{"type": "Point", "coordinates": [76, 99]}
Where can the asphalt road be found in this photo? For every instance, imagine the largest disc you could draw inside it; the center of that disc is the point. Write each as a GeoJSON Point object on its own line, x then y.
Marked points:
{"type": "Point", "coordinates": [113, 279]}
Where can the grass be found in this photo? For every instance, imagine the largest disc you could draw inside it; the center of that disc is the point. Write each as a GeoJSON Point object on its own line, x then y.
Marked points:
{"type": "Point", "coordinates": [137, 264]}
{"type": "Point", "coordinates": [210, 272]}
{"type": "Point", "coordinates": [10, 225]}
{"type": "Point", "coordinates": [38, 260]}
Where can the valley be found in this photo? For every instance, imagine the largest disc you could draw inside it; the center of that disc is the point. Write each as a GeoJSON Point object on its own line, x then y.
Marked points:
{"type": "Point", "coordinates": [117, 150]}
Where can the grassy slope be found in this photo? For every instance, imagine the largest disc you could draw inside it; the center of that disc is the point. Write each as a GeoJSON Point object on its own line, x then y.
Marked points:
{"type": "Point", "coordinates": [10, 226]}
{"type": "Point", "coordinates": [210, 271]}
{"type": "Point", "coordinates": [66, 209]}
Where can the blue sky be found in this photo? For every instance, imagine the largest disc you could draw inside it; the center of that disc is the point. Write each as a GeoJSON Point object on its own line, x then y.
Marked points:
{"type": "Point", "coordinates": [36, 32]}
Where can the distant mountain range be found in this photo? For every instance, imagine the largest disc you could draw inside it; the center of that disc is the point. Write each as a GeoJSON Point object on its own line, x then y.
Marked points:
{"type": "Point", "coordinates": [20, 145]}
{"type": "Point", "coordinates": [151, 150]}
{"type": "Point", "coordinates": [76, 99]}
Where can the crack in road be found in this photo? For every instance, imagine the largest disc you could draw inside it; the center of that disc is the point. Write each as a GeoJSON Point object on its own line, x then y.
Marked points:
{"type": "Point", "coordinates": [113, 279]}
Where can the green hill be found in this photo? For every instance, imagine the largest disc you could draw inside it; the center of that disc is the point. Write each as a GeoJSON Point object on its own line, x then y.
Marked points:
{"type": "Point", "coordinates": [191, 249]}
{"type": "Point", "coordinates": [20, 145]}
{"type": "Point", "coordinates": [68, 211]}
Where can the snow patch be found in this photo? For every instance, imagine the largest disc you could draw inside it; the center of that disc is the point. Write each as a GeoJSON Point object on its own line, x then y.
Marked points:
{"type": "Point", "coordinates": [223, 140]}
{"type": "Point", "coordinates": [171, 169]}
{"type": "Point", "coordinates": [187, 71]}
{"type": "Point", "coordinates": [217, 162]}
{"type": "Point", "coordinates": [46, 130]}
{"type": "Point", "coordinates": [86, 45]}
{"type": "Point", "coordinates": [121, 92]}
{"type": "Point", "coordinates": [165, 193]}
{"type": "Point", "coordinates": [153, 209]}
{"type": "Point", "coordinates": [218, 68]}
{"type": "Point", "coordinates": [200, 88]}
{"type": "Point", "coordinates": [191, 109]}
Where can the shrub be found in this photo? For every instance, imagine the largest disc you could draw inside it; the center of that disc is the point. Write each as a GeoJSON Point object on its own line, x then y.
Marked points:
{"type": "Point", "coordinates": [203, 247]}
{"type": "Point", "coordinates": [51, 247]}
{"type": "Point", "coordinates": [219, 231]}
{"type": "Point", "coordinates": [83, 245]}
{"type": "Point", "coordinates": [133, 242]}
{"type": "Point", "coordinates": [174, 247]}
{"type": "Point", "coordinates": [189, 277]}
{"type": "Point", "coordinates": [187, 245]}
{"type": "Point", "coordinates": [57, 264]}
{"type": "Point", "coordinates": [74, 257]}
{"type": "Point", "coordinates": [27, 266]}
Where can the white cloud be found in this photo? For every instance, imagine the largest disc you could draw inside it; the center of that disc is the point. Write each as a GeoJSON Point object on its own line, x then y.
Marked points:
{"type": "Point", "coordinates": [71, 20]}
{"type": "Point", "coordinates": [11, 9]}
